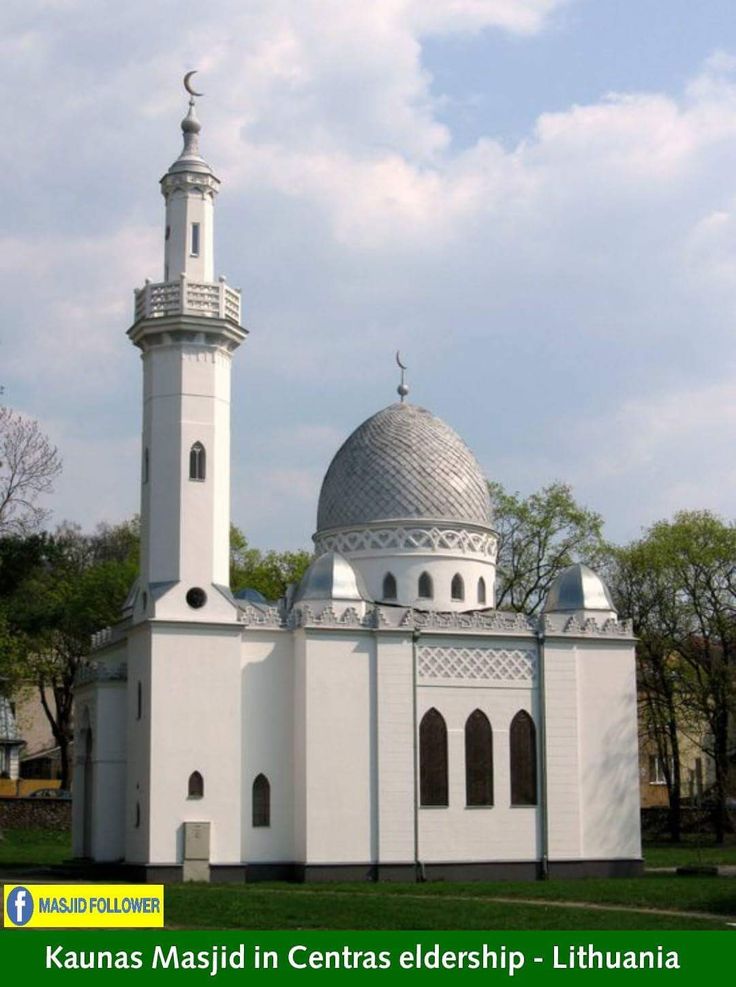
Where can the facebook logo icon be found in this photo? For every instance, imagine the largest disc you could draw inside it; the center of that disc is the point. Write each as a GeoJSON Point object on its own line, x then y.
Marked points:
{"type": "Point", "coordinates": [19, 906]}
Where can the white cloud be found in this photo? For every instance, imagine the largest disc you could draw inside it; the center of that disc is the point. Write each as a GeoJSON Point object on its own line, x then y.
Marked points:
{"type": "Point", "coordinates": [534, 286]}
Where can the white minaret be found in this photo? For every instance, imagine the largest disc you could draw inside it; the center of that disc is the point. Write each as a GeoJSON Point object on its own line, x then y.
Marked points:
{"type": "Point", "coordinates": [187, 327]}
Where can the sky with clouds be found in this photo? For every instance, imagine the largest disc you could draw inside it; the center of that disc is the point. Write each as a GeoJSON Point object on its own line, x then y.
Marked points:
{"type": "Point", "coordinates": [535, 200]}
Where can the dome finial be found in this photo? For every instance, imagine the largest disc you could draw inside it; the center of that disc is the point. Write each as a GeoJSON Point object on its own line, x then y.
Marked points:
{"type": "Point", "coordinates": [402, 389]}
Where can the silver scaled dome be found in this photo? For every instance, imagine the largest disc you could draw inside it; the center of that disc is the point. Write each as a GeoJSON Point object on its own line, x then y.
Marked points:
{"type": "Point", "coordinates": [403, 464]}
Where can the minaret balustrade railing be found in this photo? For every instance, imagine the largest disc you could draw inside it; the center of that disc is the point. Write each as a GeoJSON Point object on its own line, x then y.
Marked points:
{"type": "Point", "coordinates": [213, 300]}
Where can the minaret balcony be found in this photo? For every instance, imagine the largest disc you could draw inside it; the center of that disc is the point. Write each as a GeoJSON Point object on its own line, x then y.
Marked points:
{"type": "Point", "coordinates": [210, 299]}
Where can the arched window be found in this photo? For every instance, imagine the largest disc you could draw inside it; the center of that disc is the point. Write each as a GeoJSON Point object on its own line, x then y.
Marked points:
{"type": "Point", "coordinates": [196, 785]}
{"type": "Point", "coordinates": [261, 801]}
{"type": "Point", "coordinates": [197, 462]}
{"type": "Point", "coordinates": [457, 590]}
{"type": "Point", "coordinates": [523, 749]}
{"type": "Point", "coordinates": [389, 586]}
{"type": "Point", "coordinates": [432, 759]}
{"type": "Point", "coordinates": [426, 591]}
{"type": "Point", "coordinates": [481, 590]}
{"type": "Point", "coordinates": [478, 760]}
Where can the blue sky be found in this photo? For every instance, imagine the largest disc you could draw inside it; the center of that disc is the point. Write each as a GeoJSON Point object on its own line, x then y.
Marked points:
{"type": "Point", "coordinates": [533, 199]}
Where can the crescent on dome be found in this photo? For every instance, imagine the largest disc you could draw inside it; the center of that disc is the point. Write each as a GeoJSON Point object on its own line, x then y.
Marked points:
{"type": "Point", "coordinates": [188, 85]}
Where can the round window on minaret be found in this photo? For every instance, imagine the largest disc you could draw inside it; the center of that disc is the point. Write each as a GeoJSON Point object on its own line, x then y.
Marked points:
{"type": "Point", "coordinates": [196, 597]}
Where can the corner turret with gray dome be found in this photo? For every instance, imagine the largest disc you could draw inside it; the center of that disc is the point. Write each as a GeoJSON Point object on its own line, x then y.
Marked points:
{"type": "Point", "coordinates": [580, 592]}
{"type": "Point", "coordinates": [406, 501]}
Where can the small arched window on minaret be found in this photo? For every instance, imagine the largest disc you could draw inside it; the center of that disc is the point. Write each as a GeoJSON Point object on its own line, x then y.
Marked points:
{"type": "Point", "coordinates": [261, 801]}
{"type": "Point", "coordinates": [195, 789]}
{"type": "Point", "coordinates": [197, 462]}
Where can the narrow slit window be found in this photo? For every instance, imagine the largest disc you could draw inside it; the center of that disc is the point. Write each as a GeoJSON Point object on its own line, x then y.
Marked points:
{"type": "Point", "coordinates": [146, 465]}
{"type": "Point", "coordinates": [458, 587]}
{"type": "Point", "coordinates": [261, 801]}
{"type": "Point", "coordinates": [433, 788]}
{"type": "Point", "coordinates": [389, 586]}
{"type": "Point", "coordinates": [426, 590]}
{"type": "Point", "coordinates": [195, 239]}
{"type": "Point", "coordinates": [139, 711]}
{"type": "Point", "coordinates": [195, 788]}
{"type": "Point", "coordinates": [197, 462]}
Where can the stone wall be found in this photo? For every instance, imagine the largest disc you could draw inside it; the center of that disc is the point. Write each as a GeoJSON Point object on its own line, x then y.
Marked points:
{"type": "Point", "coordinates": [29, 813]}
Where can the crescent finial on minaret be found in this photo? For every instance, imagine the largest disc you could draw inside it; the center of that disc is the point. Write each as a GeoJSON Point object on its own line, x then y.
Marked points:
{"type": "Point", "coordinates": [188, 85]}
{"type": "Point", "coordinates": [402, 390]}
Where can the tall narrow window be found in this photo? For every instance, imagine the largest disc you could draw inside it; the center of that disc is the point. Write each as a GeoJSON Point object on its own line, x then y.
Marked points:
{"type": "Point", "coordinates": [481, 590]}
{"type": "Point", "coordinates": [139, 704]}
{"type": "Point", "coordinates": [523, 748]}
{"type": "Point", "coordinates": [426, 591]}
{"type": "Point", "coordinates": [137, 815]}
{"type": "Point", "coordinates": [389, 586]}
{"type": "Point", "coordinates": [146, 465]}
{"type": "Point", "coordinates": [433, 759]}
{"type": "Point", "coordinates": [196, 786]}
{"type": "Point", "coordinates": [195, 239]}
{"type": "Point", "coordinates": [457, 590]}
{"type": "Point", "coordinates": [478, 759]}
{"type": "Point", "coordinates": [197, 462]}
{"type": "Point", "coordinates": [261, 801]}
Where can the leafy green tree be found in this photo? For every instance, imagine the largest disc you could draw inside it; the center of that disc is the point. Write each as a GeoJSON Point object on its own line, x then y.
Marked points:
{"type": "Point", "coordinates": [268, 572]}
{"type": "Point", "coordinates": [678, 583]}
{"type": "Point", "coordinates": [539, 536]}
{"type": "Point", "coordinates": [78, 586]}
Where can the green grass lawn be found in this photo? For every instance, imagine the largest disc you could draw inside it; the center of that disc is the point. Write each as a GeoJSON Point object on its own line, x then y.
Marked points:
{"type": "Point", "coordinates": [438, 904]}
{"type": "Point", "coordinates": [448, 906]}
{"type": "Point", "coordinates": [691, 851]}
{"type": "Point", "coordinates": [34, 847]}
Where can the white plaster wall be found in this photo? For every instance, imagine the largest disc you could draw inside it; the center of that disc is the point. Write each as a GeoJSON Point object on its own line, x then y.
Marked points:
{"type": "Point", "coordinates": [138, 780]}
{"type": "Point", "coordinates": [395, 748]}
{"type": "Point", "coordinates": [267, 684]}
{"type": "Point", "coordinates": [441, 566]}
{"type": "Point", "coordinates": [564, 823]}
{"type": "Point", "coordinates": [109, 768]}
{"type": "Point", "coordinates": [340, 747]}
{"type": "Point", "coordinates": [299, 752]}
{"type": "Point", "coordinates": [608, 750]}
{"type": "Point", "coordinates": [501, 832]}
{"type": "Point", "coordinates": [182, 209]}
{"type": "Point", "coordinates": [195, 726]}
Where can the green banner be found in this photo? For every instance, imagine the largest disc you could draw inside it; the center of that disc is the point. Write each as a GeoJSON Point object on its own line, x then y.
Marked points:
{"type": "Point", "coordinates": [115, 956]}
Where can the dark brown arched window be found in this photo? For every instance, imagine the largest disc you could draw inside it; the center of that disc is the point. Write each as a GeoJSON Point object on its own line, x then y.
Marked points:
{"type": "Point", "coordinates": [197, 462]}
{"type": "Point", "coordinates": [195, 789]}
{"type": "Point", "coordinates": [426, 591]}
{"type": "Point", "coordinates": [389, 586]}
{"type": "Point", "coordinates": [523, 747]}
{"type": "Point", "coordinates": [457, 590]}
{"type": "Point", "coordinates": [432, 759]}
{"type": "Point", "coordinates": [478, 759]}
{"type": "Point", "coordinates": [261, 801]}
{"type": "Point", "coordinates": [481, 590]}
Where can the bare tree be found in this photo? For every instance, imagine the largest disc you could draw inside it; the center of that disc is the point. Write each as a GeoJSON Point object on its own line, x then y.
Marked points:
{"type": "Point", "coordinates": [29, 464]}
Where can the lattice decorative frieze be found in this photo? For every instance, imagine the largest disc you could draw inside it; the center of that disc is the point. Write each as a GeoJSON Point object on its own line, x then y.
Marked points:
{"type": "Point", "coordinates": [478, 664]}
{"type": "Point", "coordinates": [99, 672]}
{"type": "Point", "coordinates": [406, 539]}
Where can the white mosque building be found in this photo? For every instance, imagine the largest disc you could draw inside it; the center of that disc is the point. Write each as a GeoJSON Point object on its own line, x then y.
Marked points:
{"type": "Point", "coordinates": [382, 722]}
